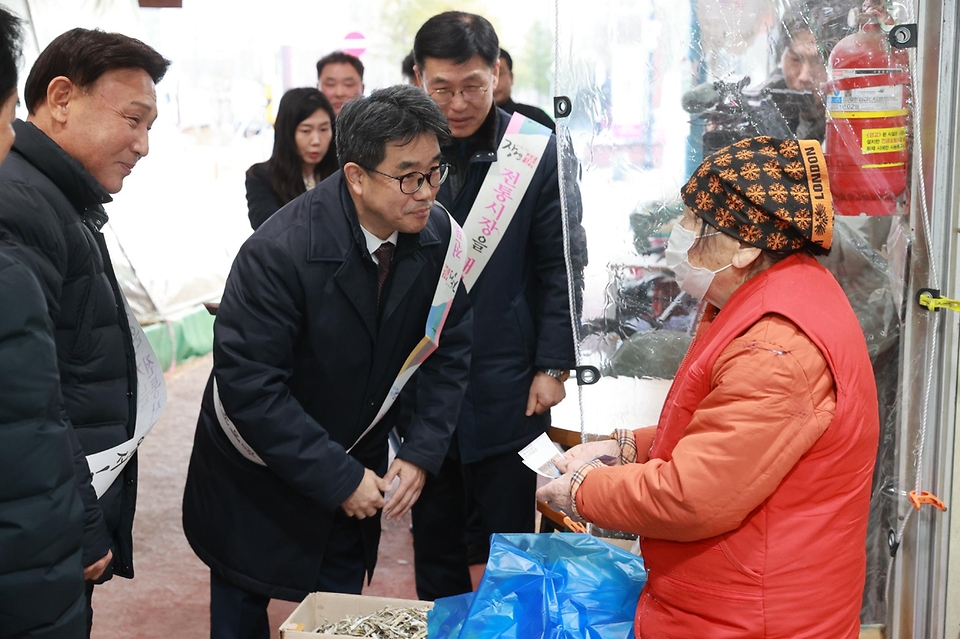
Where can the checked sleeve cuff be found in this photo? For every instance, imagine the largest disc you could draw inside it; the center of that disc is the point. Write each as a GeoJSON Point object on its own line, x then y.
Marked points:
{"type": "Point", "coordinates": [577, 479]}
{"type": "Point", "coordinates": [628, 445]}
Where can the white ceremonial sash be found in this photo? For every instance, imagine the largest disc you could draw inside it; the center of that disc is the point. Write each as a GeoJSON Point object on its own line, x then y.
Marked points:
{"type": "Point", "coordinates": [450, 276]}
{"type": "Point", "coordinates": [107, 465]}
{"type": "Point", "coordinates": [507, 180]}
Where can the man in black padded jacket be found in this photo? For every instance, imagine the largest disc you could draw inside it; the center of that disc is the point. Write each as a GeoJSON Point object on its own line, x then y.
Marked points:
{"type": "Point", "coordinates": [91, 100]}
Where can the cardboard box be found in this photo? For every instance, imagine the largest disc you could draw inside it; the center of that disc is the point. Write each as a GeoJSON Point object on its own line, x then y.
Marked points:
{"type": "Point", "coordinates": [324, 607]}
{"type": "Point", "coordinates": [629, 545]}
{"type": "Point", "coordinates": [320, 608]}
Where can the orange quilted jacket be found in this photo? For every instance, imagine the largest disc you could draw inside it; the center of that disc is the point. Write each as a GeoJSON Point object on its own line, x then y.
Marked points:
{"type": "Point", "coordinates": [752, 503]}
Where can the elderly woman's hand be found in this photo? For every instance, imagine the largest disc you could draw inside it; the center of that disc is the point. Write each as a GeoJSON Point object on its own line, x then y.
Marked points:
{"type": "Point", "coordinates": [585, 453]}
{"type": "Point", "coordinates": [556, 494]}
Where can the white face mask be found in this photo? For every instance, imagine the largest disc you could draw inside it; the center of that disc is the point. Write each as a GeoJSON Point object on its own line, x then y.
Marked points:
{"type": "Point", "coordinates": [693, 280]}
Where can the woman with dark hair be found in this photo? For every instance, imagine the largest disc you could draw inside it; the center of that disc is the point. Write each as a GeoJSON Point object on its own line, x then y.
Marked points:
{"type": "Point", "coordinates": [303, 154]}
{"type": "Point", "coordinates": [751, 494]}
{"type": "Point", "coordinates": [41, 514]}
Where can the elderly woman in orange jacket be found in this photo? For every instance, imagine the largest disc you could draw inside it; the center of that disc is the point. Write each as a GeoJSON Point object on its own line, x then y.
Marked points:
{"type": "Point", "coordinates": [751, 494]}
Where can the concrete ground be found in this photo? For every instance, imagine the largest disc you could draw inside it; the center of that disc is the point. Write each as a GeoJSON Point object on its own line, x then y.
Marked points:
{"type": "Point", "coordinates": [170, 598]}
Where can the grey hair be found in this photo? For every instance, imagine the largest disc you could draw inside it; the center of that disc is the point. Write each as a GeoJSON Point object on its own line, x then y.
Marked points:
{"type": "Point", "coordinates": [396, 114]}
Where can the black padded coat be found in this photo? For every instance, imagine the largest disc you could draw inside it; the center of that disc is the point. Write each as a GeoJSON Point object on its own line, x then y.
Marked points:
{"type": "Point", "coordinates": [51, 213]}
{"type": "Point", "coordinates": [41, 515]}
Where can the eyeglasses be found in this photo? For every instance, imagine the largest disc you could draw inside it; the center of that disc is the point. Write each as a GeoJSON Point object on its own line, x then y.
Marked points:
{"type": "Point", "coordinates": [411, 182]}
{"type": "Point", "coordinates": [471, 94]}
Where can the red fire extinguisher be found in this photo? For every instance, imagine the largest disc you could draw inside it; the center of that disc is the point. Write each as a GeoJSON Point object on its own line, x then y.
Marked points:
{"type": "Point", "coordinates": [866, 145]}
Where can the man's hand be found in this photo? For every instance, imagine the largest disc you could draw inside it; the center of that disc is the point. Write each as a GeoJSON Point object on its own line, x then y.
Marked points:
{"type": "Point", "coordinates": [367, 499]}
{"type": "Point", "coordinates": [545, 393]}
{"type": "Point", "coordinates": [412, 478]}
{"type": "Point", "coordinates": [94, 570]}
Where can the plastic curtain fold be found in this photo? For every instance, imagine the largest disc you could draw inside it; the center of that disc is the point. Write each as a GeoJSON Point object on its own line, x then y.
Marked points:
{"type": "Point", "coordinates": [654, 85]}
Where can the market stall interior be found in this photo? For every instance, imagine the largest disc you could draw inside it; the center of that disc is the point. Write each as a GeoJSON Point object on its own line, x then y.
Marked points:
{"type": "Point", "coordinates": [654, 87]}
{"type": "Point", "coordinates": [641, 91]}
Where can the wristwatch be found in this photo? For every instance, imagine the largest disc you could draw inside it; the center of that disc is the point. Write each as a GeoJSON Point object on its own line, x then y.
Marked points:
{"type": "Point", "coordinates": [556, 373]}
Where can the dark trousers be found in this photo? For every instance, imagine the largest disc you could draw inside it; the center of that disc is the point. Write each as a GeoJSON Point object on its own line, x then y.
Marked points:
{"type": "Point", "coordinates": [505, 493]}
{"type": "Point", "coordinates": [236, 613]}
{"type": "Point", "coordinates": [89, 587]}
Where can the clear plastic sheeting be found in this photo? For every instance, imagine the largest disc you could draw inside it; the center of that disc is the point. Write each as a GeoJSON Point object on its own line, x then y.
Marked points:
{"type": "Point", "coordinates": [867, 279]}
{"type": "Point", "coordinates": [653, 85]}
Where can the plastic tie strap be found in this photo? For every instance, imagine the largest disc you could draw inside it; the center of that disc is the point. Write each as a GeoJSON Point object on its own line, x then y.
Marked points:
{"type": "Point", "coordinates": [924, 497]}
{"type": "Point", "coordinates": [931, 300]}
{"type": "Point", "coordinates": [574, 526]}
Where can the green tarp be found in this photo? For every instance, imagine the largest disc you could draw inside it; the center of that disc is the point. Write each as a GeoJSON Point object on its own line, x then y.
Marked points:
{"type": "Point", "coordinates": [182, 337]}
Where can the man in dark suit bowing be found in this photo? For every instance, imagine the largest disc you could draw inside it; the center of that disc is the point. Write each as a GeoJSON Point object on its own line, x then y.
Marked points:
{"type": "Point", "coordinates": [328, 306]}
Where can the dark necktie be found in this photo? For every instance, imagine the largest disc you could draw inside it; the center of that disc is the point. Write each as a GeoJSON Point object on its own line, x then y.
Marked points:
{"type": "Point", "coordinates": [383, 255]}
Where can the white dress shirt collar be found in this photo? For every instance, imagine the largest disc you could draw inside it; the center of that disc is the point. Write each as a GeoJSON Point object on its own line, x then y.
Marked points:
{"type": "Point", "coordinates": [374, 242]}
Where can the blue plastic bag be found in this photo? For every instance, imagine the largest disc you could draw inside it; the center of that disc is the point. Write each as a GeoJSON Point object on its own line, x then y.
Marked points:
{"type": "Point", "coordinates": [557, 586]}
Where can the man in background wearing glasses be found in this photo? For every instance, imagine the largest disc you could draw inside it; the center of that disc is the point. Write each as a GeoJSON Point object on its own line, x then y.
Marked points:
{"type": "Point", "coordinates": [523, 343]}
{"type": "Point", "coordinates": [326, 303]}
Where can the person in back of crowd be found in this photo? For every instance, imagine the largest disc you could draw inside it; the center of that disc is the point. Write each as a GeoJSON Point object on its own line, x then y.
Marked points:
{"type": "Point", "coordinates": [407, 69]}
{"type": "Point", "coordinates": [340, 77]}
{"type": "Point", "coordinates": [91, 99]}
{"type": "Point", "coordinates": [326, 307]}
{"type": "Point", "coordinates": [753, 491]}
{"type": "Point", "coordinates": [803, 50]}
{"type": "Point", "coordinates": [517, 279]}
{"type": "Point", "coordinates": [502, 95]}
{"type": "Point", "coordinates": [41, 513]}
{"type": "Point", "coordinates": [303, 154]}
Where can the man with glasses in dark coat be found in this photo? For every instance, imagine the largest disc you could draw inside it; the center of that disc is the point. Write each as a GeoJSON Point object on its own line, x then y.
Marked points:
{"type": "Point", "coordinates": [327, 306]}
{"type": "Point", "coordinates": [504, 190]}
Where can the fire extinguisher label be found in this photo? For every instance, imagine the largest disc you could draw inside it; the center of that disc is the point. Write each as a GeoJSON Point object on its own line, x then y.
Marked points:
{"type": "Point", "coordinates": [840, 74]}
{"type": "Point", "coordinates": [887, 100]}
{"type": "Point", "coordinates": [891, 140]}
